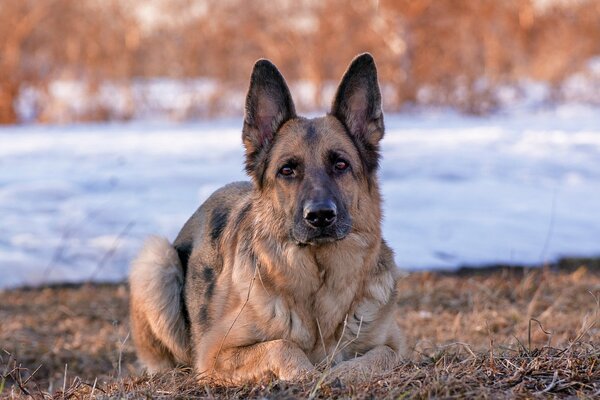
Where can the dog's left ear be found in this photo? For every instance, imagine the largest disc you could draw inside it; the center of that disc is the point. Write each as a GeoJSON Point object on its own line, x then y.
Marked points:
{"type": "Point", "coordinates": [268, 106]}
{"type": "Point", "coordinates": [357, 104]}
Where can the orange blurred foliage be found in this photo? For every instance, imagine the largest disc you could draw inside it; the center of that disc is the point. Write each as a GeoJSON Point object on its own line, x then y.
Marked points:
{"type": "Point", "coordinates": [458, 50]}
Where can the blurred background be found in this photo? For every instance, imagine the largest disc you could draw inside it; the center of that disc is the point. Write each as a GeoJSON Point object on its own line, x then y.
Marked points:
{"type": "Point", "coordinates": [83, 60]}
{"type": "Point", "coordinates": [120, 117]}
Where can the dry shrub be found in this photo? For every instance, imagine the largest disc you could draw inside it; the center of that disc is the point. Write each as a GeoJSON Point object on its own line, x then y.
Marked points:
{"type": "Point", "coordinates": [437, 52]}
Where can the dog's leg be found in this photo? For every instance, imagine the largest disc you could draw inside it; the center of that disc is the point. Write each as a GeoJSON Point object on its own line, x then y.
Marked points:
{"type": "Point", "coordinates": [376, 361]}
{"type": "Point", "coordinates": [281, 358]}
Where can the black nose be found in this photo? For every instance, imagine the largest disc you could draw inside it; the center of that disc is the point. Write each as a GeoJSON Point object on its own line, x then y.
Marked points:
{"type": "Point", "coordinates": [320, 214]}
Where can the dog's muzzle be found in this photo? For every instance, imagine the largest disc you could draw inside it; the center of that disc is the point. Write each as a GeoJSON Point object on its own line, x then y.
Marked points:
{"type": "Point", "coordinates": [320, 221]}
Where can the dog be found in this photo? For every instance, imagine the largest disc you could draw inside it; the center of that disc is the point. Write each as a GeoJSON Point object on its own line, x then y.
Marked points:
{"type": "Point", "coordinates": [287, 274]}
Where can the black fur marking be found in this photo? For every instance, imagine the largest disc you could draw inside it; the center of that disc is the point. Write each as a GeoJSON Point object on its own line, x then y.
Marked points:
{"type": "Point", "coordinates": [240, 217]}
{"type": "Point", "coordinates": [208, 274]}
{"type": "Point", "coordinates": [218, 221]}
{"type": "Point", "coordinates": [203, 316]}
{"type": "Point", "coordinates": [311, 133]}
{"type": "Point", "coordinates": [210, 289]}
{"type": "Point", "coordinates": [184, 309]}
{"type": "Point", "coordinates": [184, 252]}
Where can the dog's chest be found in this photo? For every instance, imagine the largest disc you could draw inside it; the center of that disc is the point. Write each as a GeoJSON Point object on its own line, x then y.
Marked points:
{"type": "Point", "coordinates": [312, 322]}
{"type": "Point", "coordinates": [310, 310]}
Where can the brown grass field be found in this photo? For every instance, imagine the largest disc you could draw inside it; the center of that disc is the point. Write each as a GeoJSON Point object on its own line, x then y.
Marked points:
{"type": "Point", "coordinates": [494, 333]}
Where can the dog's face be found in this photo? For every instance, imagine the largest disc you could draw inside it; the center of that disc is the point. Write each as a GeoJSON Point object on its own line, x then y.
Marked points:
{"type": "Point", "coordinates": [312, 171]}
{"type": "Point", "coordinates": [314, 175]}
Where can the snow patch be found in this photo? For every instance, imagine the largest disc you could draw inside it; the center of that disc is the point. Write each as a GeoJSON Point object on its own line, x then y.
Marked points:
{"type": "Point", "coordinates": [77, 201]}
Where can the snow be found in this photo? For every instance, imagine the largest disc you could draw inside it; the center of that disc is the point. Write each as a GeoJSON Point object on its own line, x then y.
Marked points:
{"type": "Point", "coordinates": [76, 201]}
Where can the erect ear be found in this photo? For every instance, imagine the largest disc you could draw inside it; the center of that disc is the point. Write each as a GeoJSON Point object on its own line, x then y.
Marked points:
{"type": "Point", "coordinates": [357, 104]}
{"type": "Point", "coordinates": [268, 105]}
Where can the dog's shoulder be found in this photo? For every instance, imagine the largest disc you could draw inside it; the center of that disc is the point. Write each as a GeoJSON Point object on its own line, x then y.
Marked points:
{"type": "Point", "coordinates": [198, 241]}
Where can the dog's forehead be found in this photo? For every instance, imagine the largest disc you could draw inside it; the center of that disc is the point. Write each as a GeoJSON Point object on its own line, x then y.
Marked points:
{"type": "Point", "coordinates": [315, 135]}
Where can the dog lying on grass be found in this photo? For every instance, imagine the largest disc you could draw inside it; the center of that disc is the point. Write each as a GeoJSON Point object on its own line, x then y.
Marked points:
{"type": "Point", "coordinates": [289, 272]}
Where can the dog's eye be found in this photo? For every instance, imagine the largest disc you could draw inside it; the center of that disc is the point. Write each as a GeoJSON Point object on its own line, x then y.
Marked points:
{"type": "Point", "coordinates": [286, 170]}
{"type": "Point", "coordinates": [341, 165]}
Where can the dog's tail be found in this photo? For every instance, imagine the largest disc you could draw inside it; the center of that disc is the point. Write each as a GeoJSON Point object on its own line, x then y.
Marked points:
{"type": "Point", "coordinates": [158, 326]}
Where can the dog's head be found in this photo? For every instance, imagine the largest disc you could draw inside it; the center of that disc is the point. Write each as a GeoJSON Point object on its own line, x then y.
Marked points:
{"type": "Point", "coordinates": [314, 171]}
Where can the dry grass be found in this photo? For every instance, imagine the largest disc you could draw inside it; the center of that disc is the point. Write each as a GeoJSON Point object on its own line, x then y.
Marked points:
{"type": "Point", "coordinates": [494, 334]}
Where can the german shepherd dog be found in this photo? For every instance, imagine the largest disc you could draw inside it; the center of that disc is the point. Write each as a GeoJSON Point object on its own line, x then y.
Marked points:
{"type": "Point", "coordinates": [283, 275]}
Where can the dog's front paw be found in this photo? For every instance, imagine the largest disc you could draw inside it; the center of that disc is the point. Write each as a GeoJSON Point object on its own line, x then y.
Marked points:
{"type": "Point", "coordinates": [348, 372]}
{"type": "Point", "coordinates": [375, 363]}
{"type": "Point", "coordinates": [297, 373]}
{"type": "Point", "coordinates": [288, 362]}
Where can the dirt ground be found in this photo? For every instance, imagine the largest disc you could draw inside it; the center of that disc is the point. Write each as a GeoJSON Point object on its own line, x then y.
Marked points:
{"type": "Point", "coordinates": [497, 333]}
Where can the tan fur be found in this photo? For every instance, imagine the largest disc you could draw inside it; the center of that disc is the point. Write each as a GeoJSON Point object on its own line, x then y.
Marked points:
{"type": "Point", "coordinates": [258, 302]}
{"type": "Point", "coordinates": [156, 280]}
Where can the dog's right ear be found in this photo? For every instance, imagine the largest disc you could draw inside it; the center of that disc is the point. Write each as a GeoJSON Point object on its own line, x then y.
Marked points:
{"type": "Point", "coordinates": [268, 105]}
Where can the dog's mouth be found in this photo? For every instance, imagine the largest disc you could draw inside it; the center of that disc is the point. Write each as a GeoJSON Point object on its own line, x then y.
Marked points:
{"type": "Point", "coordinates": [322, 240]}
{"type": "Point", "coordinates": [315, 238]}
